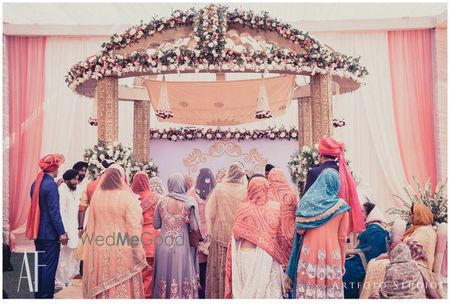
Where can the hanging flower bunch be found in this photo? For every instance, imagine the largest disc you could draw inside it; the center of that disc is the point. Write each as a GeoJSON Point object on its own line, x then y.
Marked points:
{"type": "Point", "coordinates": [212, 53]}
{"type": "Point", "coordinates": [301, 162]}
{"type": "Point", "coordinates": [178, 134]}
{"type": "Point", "coordinates": [120, 154]}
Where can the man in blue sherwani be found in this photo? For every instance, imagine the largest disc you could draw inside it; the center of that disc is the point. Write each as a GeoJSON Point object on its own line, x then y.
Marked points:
{"type": "Point", "coordinates": [44, 224]}
{"type": "Point", "coordinates": [325, 161]}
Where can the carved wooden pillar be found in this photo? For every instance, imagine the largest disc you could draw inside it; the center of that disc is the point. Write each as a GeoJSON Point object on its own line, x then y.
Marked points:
{"type": "Point", "coordinates": [106, 95]}
{"type": "Point", "coordinates": [141, 131]}
{"type": "Point", "coordinates": [304, 122]}
{"type": "Point", "coordinates": [321, 106]}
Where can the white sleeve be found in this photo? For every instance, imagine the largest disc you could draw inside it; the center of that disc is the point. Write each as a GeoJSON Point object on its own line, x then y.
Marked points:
{"type": "Point", "coordinates": [63, 207]}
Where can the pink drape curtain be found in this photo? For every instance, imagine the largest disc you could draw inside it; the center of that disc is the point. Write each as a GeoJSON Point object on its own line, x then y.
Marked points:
{"type": "Point", "coordinates": [410, 58]}
{"type": "Point", "coordinates": [26, 72]}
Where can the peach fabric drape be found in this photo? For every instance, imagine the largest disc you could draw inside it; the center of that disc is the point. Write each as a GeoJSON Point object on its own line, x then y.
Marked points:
{"type": "Point", "coordinates": [410, 58]}
{"type": "Point", "coordinates": [222, 103]}
{"type": "Point", "coordinates": [26, 72]}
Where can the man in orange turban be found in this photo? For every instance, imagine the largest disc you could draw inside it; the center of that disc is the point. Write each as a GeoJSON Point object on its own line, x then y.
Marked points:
{"type": "Point", "coordinates": [329, 151]}
{"type": "Point", "coordinates": [44, 223]}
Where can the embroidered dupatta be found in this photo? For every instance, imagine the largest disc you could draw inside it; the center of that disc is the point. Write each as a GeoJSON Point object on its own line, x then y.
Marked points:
{"type": "Point", "coordinates": [320, 204]}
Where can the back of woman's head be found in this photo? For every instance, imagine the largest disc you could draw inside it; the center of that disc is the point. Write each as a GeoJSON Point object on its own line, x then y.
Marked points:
{"type": "Point", "coordinates": [176, 183]}
{"type": "Point", "coordinates": [140, 183]}
{"type": "Point", "coordinates": [205, 182]}
{"type": "Point", "coordinates": [258, 189]}
{"type": "Point", "coordinates": [112, 180]}
{"type": "Point", "coordinates": [235, 172]}
{"type": "Point", "coordinates": [255, 176]}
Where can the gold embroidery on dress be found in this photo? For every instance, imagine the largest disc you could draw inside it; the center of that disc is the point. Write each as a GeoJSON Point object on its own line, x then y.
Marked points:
{"type": "Point", "coordinates": [186, 290]}
{"type": "Point", "coordinates": [174, 289]}
{"type": "Point", "coordinates": [162, 289]}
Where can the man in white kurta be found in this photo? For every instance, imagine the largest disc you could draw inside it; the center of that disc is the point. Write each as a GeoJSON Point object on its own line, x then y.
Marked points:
{"type": "Point", "coordinates": [69, 198]}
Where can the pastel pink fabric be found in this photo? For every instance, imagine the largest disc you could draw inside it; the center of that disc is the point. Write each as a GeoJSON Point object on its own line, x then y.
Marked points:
{"type": "Point", "coordinates": [26, 71]}
{"type": "Point", "coordinates": [411, 62]}
{"type": "Point", "coordinates": [441, 248]}
{"type": "Point", "coordinates": [347, 188]}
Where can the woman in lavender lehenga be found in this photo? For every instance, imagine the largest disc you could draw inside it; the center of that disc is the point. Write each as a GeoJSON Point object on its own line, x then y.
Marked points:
{"type": "Point", "coordinates": [176, 264]}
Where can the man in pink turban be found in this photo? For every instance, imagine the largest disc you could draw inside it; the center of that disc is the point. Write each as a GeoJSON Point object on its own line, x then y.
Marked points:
{"type": "Point", "coordinates": [44, 224]}
{"type": "Point", "coordinates": [329, 151]}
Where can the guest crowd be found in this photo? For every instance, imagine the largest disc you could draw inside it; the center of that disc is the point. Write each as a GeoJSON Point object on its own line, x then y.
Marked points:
{"type": "Point", "coordinates": [228, 235]}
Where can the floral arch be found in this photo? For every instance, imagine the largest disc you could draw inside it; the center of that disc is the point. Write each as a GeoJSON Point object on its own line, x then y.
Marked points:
{"type": "Point", "coordinates": [214, 40]}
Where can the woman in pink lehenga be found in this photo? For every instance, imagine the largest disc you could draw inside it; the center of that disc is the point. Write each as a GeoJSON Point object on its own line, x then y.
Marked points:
{"type": "Point", "coordinates": [112, 253]}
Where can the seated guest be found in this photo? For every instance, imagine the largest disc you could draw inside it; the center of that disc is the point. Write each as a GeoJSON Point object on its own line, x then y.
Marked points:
{"type": "Point", "coordinates": [421, 231]}
{"type": "Point", "coordinates": [372, 242]}
{"type": "Point", "coordinates": [433, 286]}
{"type": "Point", "coordinates": [402, 279]}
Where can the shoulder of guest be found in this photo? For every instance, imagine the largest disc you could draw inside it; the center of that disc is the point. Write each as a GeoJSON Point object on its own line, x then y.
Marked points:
{"type": "Point", "coordinates": [316, 170]}
{"type": "Point", "coordinates": [48, 180]}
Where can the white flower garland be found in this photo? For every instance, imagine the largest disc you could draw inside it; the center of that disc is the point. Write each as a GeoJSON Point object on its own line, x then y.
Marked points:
{"type": "Point", "coordinates": [121, 155]}
{"type": "Point", "coordinates": [192, 133]}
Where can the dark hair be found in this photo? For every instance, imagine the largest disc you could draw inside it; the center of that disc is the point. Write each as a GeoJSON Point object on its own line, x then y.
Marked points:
{"type": "Point", "coordinates": [412, 208]}
{"type": "Point", "coordinates": [268, 168]}
{"type": "Point", "coordinates": [256, 175]}
{"type": "Point", "coordinates": [202, 185]}
{"type": "Point", "coordinates": [328, 156]}
{"type": "Point", "coordinates": [368, 206]}
{"type": "Point", "coordinates": [106, 163]}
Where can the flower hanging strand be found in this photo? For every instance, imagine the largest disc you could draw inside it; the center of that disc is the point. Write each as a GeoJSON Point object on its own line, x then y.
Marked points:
{"type": "Point", "coordinates": [262, 107]}
{"type": "Point", "coordinates": [164, 111]}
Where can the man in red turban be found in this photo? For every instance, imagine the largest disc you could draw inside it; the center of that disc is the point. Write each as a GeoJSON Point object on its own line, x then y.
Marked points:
{"type": "Point", "coordinates": [347, 188]}
{"type": "Point", "coordinates": [329, 151]}
{"type": "Point", "coordinates": [44, 223]}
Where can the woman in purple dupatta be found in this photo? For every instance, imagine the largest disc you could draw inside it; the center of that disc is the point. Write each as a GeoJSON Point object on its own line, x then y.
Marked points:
{"type": "Point", "coordinates": [176, 264]}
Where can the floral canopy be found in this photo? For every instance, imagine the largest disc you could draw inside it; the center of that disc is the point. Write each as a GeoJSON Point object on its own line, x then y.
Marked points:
{"type": "Point", "coordinates": [218, 40]}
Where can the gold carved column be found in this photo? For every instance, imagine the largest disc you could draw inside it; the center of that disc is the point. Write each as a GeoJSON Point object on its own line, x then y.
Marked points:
{"type": "Point", "coordinates": [321, 106]}
{"type": "Point", "coordinates": [304, 122]}
{"type": "Point", "coordinates": [106, 95]}
{"type": "Point", "coordinates": [141, 131]}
